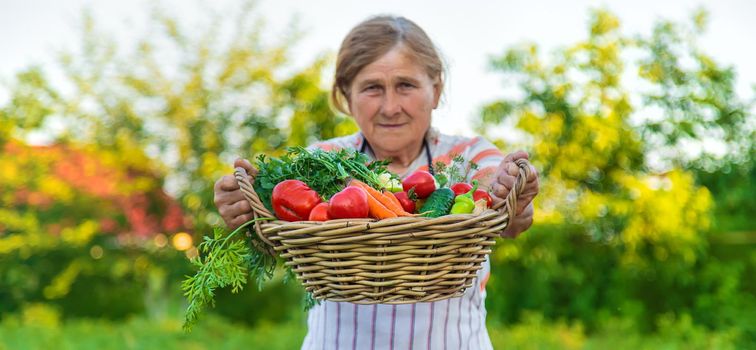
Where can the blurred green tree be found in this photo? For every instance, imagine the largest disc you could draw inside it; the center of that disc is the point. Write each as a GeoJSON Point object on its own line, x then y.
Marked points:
{"type": "Point", "coordinates": [577, 112]}
{"type": "Point", "coordinates": [123, 121]}
{"type": "Point", "coordinates": [626, 198]}
{"type": "Point", "coordinates": [694, 119]}
{"type": "Point", "coordinates": [188, 97]}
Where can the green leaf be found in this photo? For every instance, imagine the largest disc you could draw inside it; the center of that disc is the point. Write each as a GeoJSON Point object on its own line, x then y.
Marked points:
{"type": "Point", "coordinates": [223, 262]}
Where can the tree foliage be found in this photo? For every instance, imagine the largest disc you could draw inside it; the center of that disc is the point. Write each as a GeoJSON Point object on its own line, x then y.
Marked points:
{"type": "Point", "coordinates": [189, 99]}
{"type": "Point", "coordinates": [625, 165]}
{"type": "Point", "coordinates": [599, 149]}
{"type": "Point", "coordinates": [638, 140]}
{"type": "Point", "coordinates": [121, 122]}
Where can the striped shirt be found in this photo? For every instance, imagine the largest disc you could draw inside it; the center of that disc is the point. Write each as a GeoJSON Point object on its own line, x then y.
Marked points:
{"type": "Point", "coordinates": [458, 323]}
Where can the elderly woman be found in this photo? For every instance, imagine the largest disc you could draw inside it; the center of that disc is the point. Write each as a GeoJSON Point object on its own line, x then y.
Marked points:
{"type": "Point", "coordinates": [389, 78]}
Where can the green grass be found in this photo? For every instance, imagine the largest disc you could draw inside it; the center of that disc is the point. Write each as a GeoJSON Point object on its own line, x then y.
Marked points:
{"type": "Point", "coordinates": [139, 333]}
{"type": "Point", "coordinates": [215, 333]}
{"type": "Point", "coordinates": [676, 333]}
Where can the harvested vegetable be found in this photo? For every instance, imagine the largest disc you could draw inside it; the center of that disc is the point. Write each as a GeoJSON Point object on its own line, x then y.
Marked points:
{"type": "Point", "coordinates": [319, 213]}
{"type": "Point", "coordinates": [350, 203]}
{"type": "Point", "coordinates": [464, 203]}
{"type": "Point", "coordinates": [398, 207]}
{"type": "Point", "coordinates": [293, 200]}
{"type": "Point", "coordinates": [387, 200]}
{"type": "Point", "coordinates": [406, 201]}
{"type": "Point", "coordinates": [376, 209]}
{"type": "Point", "coordinates": [482, 194]}
{"type": "Point", "coordinates": [461, 188]}
{"type": "Point", "coordinates": [326, 172]}
{"type": "Point", "coordinates": [422, 181]}
{"type": "Point", "coordinates": [390, 182]}
{"type": "Point", "coordinates": [438, 204]}
{"type": "Point", "coordinates": [223, 262]}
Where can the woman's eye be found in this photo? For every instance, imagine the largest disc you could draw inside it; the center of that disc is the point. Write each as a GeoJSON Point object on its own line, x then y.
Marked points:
{"type": "Point", "coordinates": [372, 88]}
{"type": "Point", "coordinates": [406, 86]}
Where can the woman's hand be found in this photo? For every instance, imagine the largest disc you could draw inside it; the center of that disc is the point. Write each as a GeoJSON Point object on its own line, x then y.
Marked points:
{"type": "Point", "coordinates": [231, 204]}
{"type": "Point", "coordinates": [503, 184]}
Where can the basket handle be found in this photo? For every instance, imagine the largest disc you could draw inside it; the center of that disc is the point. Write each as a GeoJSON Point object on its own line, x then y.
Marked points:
{"type": "Point", "coordinates": [258, 209]}
{"type": "Point", "coordinates": [519, 186]}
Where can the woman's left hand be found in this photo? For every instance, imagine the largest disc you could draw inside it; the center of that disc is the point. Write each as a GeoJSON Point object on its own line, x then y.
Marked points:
{"type": "Point", "coordinates": [503, 184]}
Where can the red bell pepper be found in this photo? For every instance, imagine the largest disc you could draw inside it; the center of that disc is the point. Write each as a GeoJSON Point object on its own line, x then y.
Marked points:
{"type": "Point", "coordinates": [461, 188]}
{"type": "Point", "coordinates": [293, 200]}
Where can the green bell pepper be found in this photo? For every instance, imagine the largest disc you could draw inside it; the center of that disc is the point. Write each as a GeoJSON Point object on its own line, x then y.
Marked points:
{"type": "Point", "coordinates": [464, 203]}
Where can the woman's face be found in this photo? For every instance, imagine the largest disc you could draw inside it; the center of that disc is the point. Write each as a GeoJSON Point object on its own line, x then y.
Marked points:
{"type": "Point", "coordinates": [392, 99]}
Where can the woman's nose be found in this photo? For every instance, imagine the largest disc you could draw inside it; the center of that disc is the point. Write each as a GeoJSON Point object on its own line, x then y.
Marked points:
{"type": "Point", "coordinates": [391, 104]}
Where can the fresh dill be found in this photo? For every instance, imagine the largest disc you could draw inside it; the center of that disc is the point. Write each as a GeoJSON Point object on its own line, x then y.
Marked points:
{"type": "Point", "coordinates": [458, 170]}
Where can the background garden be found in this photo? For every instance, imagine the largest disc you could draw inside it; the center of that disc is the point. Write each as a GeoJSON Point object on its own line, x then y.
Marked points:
{"type": "Point", "coordinates": [644, 229]}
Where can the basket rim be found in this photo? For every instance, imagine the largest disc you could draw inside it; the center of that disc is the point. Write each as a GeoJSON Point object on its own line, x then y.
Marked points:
{"type": "Point", "coordinates": [265, 228]}
{"type": "Point", "coordinates": [391, 261]}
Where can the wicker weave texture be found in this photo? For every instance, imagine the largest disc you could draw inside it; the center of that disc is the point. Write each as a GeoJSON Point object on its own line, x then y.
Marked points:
{"type": "Point", "coordinates": [391, 261]}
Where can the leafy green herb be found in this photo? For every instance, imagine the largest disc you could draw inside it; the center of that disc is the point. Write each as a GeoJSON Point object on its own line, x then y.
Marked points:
{"type": "Point", "coordinates": [457, 171]}
{"type": "Point", "coordinates": [223, 262]}
{"type": "Point", "coordinates": [310, 301]}
{"type": "Point", "coordinates": [326, 172]}
{"type": "Point", "coordinates": [289, 275]}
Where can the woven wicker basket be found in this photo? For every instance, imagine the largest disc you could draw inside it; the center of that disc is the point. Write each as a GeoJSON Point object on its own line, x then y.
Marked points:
{"type": "Point", "coordinates": [391, 261]}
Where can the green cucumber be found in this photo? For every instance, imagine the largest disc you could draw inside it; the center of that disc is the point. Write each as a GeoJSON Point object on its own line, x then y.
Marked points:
{"type": "Point", "coordinates": [438, 203]}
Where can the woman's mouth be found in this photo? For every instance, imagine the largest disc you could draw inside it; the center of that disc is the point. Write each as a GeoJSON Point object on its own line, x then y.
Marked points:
{"type": "Point", "coordinates": [391, 126]}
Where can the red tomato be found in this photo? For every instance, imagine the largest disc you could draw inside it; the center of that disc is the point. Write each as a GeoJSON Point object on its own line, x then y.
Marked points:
{"type": "Point", "coordinates": [319, 213]}
{"type": "Point", "coordinates": [421, 181]}
{"type": "Point", "coordinates": [461, 188]}
{"type": "Point", "coordinates": [407, 204]}
{"type": "Point", "coordinates": [293, 200]}
{"type": "Point", "coordinates": [350, 203]}
{"type": "Point", "coordinates": [478, 194]}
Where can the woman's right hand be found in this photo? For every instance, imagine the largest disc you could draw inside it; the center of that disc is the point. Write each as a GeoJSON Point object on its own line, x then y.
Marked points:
{"type": "Point", "coordinates": [231, 204]}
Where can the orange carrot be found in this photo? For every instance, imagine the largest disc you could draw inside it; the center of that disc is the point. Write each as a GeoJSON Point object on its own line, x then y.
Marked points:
{"type": "Point", "coordinates": [378, 210]}
{"type": "Point", "coordinates": [392, 203]}
{"type": "Point", "coordinates": [393, 199]}
{"type": "Point", "coordinates": [375, 207]}
{"type": "Point", "coordinates": [387, 201]}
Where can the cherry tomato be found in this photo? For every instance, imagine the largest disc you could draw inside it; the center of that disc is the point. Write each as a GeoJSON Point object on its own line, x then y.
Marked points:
{"type": "Point", "coordinates": [319, 213]}
{"type": "Point", "coordinates": [407, 204]}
